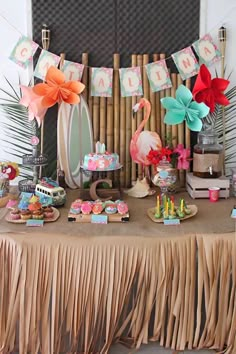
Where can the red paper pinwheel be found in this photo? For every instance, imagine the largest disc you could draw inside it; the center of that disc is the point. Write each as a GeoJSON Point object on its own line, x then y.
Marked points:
{"type": "Point", "coordinates": [210, 91]}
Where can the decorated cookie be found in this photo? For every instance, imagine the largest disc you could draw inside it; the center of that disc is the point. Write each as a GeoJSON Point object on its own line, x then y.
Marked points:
{"type": "Point", "coordinates": [86, 208]}
{"type": "Point", "coordinates": [122, 208]}
{"type": "Point", "coordinates": [97, 208]}
{"type": "Point", "coordinates": [111, 208]}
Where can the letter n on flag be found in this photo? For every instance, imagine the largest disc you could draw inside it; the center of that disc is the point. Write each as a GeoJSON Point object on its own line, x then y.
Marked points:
{"type": "Point", "coordinates": [207, 50]}
{"type": "Point", "coordinates": [23, 52]}
{"type": "Point", "coordinates": [101, 82]}
{"type": "Point", "coordinates": [131, 82]}
{"type": "Point", "coordinates": [186, 63]}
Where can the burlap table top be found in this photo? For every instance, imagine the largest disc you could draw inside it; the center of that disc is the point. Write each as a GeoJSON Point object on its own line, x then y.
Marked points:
{"type": "Point", "coordinates": [211, 218]}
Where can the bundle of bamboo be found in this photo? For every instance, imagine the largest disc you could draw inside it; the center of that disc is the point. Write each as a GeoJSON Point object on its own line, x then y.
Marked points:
{"type": "Point", "coordinates": [112, 117]}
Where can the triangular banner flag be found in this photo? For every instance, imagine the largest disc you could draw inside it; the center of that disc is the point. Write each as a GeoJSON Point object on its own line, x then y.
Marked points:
{"type": "Point", "coordinates": [45, 60]}
{"type": "Point", "coordinates": [158, 75]}
{"type": "Point", "coordinates": [23, 52]}
{"type": "Point", "coordinates": [186, 63]}
{"type": "Point", "coordinates": [101, 82]}
{"type": "Point", "coordinates": [207, 50]}
{"type": "Point", "coordinates": [73, 71]}
{"type": "Point", "coordinates": [131, 82]}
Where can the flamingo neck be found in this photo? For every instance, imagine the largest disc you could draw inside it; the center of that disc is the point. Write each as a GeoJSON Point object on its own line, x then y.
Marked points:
{"type": "Point", "coordinates": [147, 107]}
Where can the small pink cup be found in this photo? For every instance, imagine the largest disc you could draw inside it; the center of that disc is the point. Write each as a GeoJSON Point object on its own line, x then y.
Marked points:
{"type": "Point", "coordinates": [214, 194]}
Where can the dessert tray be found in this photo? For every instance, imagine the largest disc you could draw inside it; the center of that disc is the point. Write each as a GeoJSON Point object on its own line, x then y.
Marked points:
{"type": "Point", "coordinates": [151, 214]}
{"type": "Point", "coordinates": [56, 215]}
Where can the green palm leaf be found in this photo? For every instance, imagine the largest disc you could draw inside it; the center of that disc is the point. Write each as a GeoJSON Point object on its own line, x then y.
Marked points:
{"type": "Point", "coordinates": [216, 121]}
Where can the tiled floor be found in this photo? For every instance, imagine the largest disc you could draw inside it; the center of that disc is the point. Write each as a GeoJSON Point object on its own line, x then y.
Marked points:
{"type": "Point", "coordinates": [152, 348]}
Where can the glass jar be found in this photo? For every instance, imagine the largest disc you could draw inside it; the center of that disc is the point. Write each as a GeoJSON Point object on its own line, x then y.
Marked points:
{"type": "Point", "coordinates": [165, 177]}
{"type": "Point", "coordinates": [207, 155]}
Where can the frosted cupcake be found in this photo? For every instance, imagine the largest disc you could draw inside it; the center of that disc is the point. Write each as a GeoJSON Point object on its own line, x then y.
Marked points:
{"type": "Point", "coordinates": [25, 214]}
{"type": "Point", "coordinates": [48, 212]}
{"type": "Point", "coordinates": [122, 208]}
{"type": "Point", "coordinates": [15, 214]}
{"type": "Point", "coordinates": [37, 214]}
{"type": "Point", "coordinates": [111, 208]}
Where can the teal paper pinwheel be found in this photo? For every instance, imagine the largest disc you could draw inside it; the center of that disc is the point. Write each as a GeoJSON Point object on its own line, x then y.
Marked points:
{"type": "Point", "coordinates": [184, 108]}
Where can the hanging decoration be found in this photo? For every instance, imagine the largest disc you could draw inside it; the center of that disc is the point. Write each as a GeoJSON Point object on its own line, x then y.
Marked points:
{"type": "Point", "coordinates": [101, 84]}
{"type": "Point", "coordinates": [23, 52]}
{"type": "Point", "coordinates": [158, 75]}
{"type": "Point", "coordinates": [184, 108]}
{"type": "Point", "coordinates": [131, 82]}
{"type": "Point", "coordinates": [186, 63]}
{"type": "Point", "coordinates": [210, 91]}
{"type": "Point", "coordinates": [206, 50]}
{"type": "Point", "coordinates": [57, 90]}
{"type": "Point", "coordinates": [72, 71]}
{"type": "Point", "coordinates": [45, 61]}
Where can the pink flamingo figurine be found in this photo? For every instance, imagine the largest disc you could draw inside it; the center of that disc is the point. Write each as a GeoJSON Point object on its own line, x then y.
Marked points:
{"type": "Point", "coordinates": [143, 141]}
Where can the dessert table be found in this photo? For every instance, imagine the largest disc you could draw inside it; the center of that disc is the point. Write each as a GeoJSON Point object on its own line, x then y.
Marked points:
{"type": "Point", "coordinates": [75, 287]}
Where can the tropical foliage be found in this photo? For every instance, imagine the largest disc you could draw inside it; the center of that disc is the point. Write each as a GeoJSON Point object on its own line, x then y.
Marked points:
{"type": "Point", "coordinates": [19, 130]}
{"type": "Point", "coordinates": [226, 116]}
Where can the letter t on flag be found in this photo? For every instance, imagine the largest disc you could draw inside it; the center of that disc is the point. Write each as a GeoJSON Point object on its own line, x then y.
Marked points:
{"type": "Point", "coordinates": [186, 63]}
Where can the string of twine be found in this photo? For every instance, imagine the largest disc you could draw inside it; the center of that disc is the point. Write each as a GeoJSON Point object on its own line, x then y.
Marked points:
{"type": "Point", "coordinates": [219, 23]}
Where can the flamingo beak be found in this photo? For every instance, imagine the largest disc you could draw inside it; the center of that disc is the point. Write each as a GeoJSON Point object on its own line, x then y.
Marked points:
{"type": "Point", "coordinates": [135, 108]}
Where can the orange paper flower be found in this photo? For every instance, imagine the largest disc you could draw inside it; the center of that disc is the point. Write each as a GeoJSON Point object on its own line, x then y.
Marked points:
{"type": "Point", "coordinates": [55, 89]}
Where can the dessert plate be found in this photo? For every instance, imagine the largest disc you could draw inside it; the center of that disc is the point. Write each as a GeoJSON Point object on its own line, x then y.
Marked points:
{"type": "Point", "coordinates": [56, 215]}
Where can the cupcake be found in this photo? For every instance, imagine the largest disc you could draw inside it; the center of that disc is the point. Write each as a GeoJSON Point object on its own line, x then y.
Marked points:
{"type": "Point", "coordinates": [15, 214]}
{"type": "Point", "coordinates": [25, 214]}
{"type": "Point", "coordinates": [76, 206]}
{"type": "Point", "coordinates": [37, 214]}
{"type": "Point", "coordinates": [48, 212]}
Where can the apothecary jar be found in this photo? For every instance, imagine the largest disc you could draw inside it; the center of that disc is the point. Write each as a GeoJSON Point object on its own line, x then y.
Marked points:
{"type": "Point", "coordinates": [207, 155]}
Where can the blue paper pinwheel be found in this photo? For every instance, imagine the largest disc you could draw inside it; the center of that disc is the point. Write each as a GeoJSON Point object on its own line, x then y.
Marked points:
{"type": "Point", "coordinates": [184, 108]}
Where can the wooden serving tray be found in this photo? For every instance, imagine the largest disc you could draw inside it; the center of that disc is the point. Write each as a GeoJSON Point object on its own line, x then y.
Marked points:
{"type": "Point", "coordinates": [151, 214]}
{"type": "Point", "coordinates": [87, 218]}
{"type": "Point", "coordinates": [56, 215]}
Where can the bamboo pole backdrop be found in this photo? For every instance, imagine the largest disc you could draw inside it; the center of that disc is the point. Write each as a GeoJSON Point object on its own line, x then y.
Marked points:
{"type": "Point", "coordinates": [114, 124]}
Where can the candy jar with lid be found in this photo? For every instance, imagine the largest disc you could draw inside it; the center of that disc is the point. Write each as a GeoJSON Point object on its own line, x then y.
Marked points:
{"type": "Point", "coordinates": [207, 155]}
{"type": "Point", "coordinates": [165, 176]}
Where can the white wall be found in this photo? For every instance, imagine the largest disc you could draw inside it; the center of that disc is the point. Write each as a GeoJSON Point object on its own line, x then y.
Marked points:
{"type": "Point", "coordinates": [18, 14]}
{"type": "Point", "coordinates": [217, 13]}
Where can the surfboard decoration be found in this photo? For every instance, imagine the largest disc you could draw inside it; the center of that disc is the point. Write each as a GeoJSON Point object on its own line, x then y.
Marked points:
{"type": "Point", "coordinates": [75, 139]}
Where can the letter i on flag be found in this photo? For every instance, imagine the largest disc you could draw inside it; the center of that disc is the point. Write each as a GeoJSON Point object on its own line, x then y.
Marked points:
{"type": "Point", "coordinates": [186, 63]}
{"type": "Point", "coordinates": [207, 50]}
{"type": "Point", "coordinates": [131, 82]}
{"type": "Point", "coordinates": [158, 75]}
{"type": "Point", "coordinates": [101, 82]}
{"type": "Point", "coordinates": [45, 60]}
{"type": "Point", "coordinates": [23, 52]}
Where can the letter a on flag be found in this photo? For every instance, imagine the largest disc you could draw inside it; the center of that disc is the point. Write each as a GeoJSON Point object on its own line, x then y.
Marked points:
{"type": "Point", "coordinates": [186, 63]}
{"type": "Point", "coordinates": [207, 50]}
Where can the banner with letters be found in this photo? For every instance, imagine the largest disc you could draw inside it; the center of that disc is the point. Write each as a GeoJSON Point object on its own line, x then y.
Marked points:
{"type": "Point", "coordinates": [131, 84]}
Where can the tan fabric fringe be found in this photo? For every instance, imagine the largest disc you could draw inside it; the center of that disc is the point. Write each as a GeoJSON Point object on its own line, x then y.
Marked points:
{"type": "Point", "coordinates": [78, 294]}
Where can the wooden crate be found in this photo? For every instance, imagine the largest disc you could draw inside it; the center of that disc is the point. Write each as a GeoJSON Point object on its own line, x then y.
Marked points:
{"type": "Point", "coordinates": [198, 187]}
{"type": "Point", "coordinates": [87, 218]}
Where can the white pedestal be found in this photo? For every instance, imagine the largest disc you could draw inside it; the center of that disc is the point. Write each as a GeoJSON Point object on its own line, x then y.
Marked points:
{"type": "Point", "coordinates": [198, 187]}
